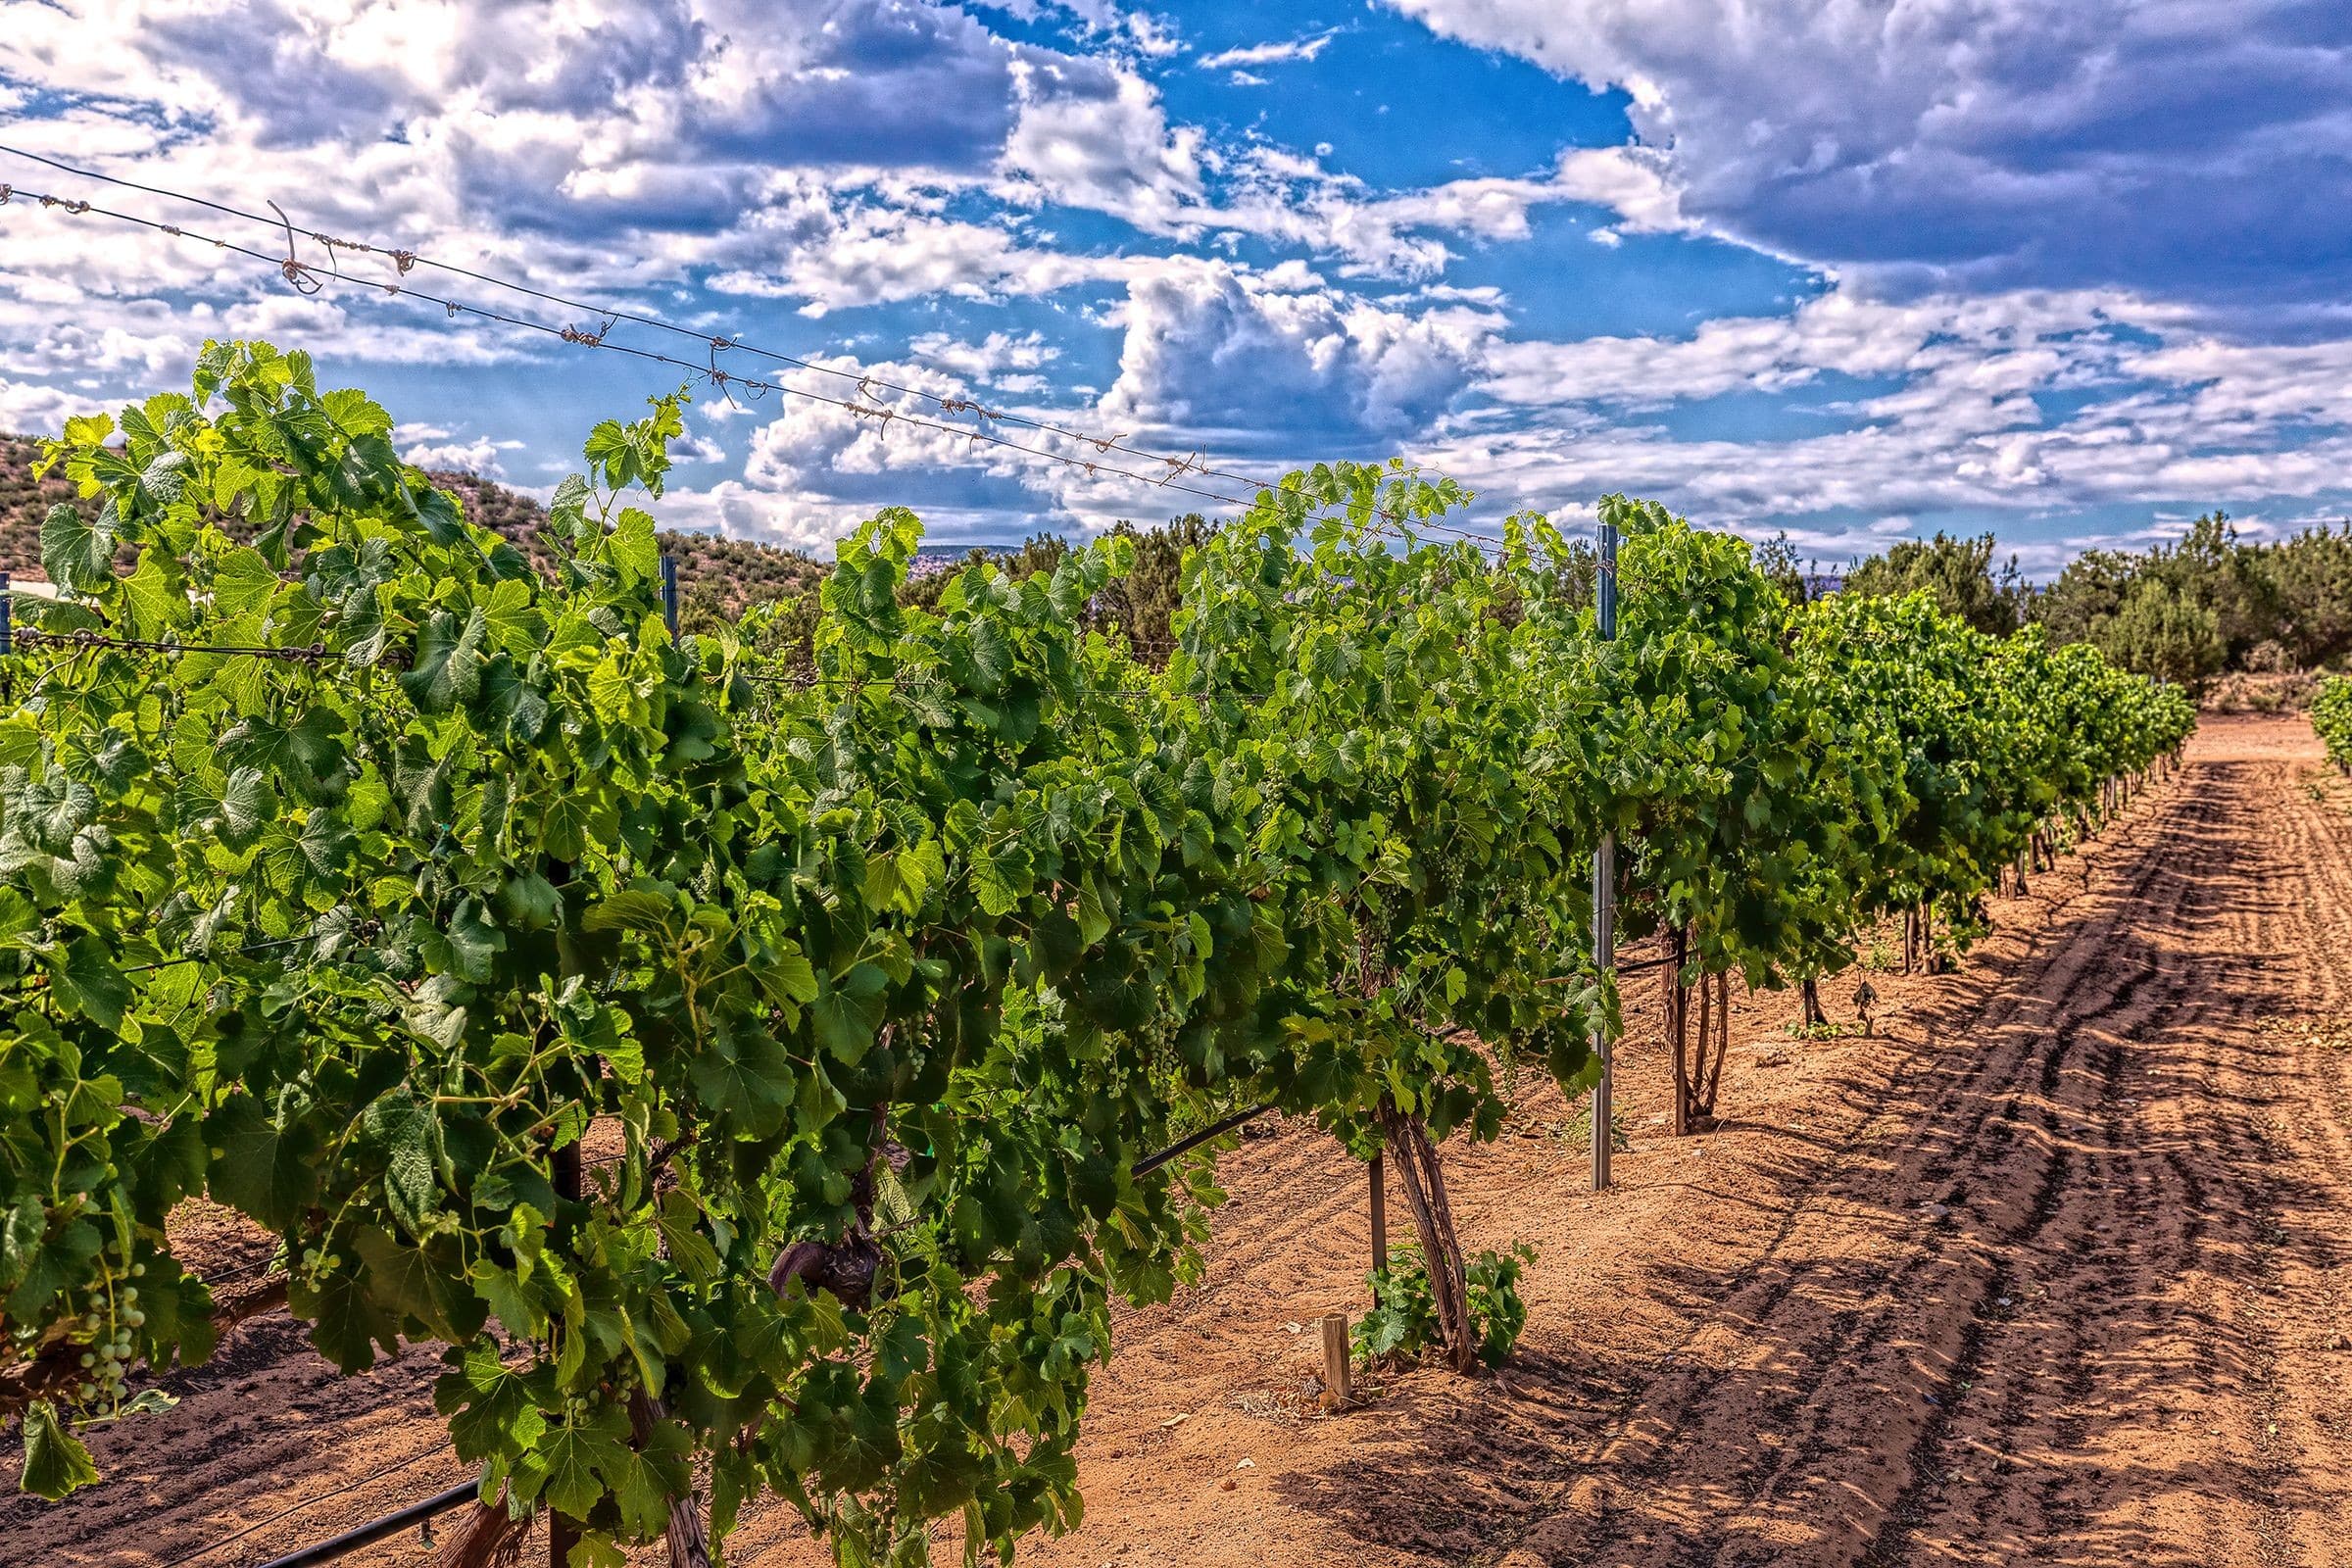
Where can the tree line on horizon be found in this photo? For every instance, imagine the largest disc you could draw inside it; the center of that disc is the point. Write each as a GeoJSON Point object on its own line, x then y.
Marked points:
{"type": "Point", "coordinates": [2205, 605]}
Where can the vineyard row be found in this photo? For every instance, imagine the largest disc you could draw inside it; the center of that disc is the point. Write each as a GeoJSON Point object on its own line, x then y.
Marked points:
{"type": "Point", "coordinates": [885, 978]}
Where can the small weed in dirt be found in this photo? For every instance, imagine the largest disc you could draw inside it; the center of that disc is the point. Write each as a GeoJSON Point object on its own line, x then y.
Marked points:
{"type": "Point", "coordinates": [1880, 958]}
{"type": "Point", "coordinates": [1403, 1321]}
{"type": "Point", "coordinates": [1577, 1131]}
{"type": "Point", "coordinates": [1826, 1030]}
{"type": "Point", "coordinates": [1283, 1407]}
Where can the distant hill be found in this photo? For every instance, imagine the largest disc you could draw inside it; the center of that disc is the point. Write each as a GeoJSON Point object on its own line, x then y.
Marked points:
{"type": "Point", "coordinates": [716, 577]}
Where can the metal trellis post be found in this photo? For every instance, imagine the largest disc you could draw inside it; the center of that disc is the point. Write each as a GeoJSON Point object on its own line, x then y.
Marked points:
{"type": "Point", "coordinates": [1604, 897]}
{"type": "Point", "coordinates": [670, 591]}
{"type": "Point", "coordinates": [570, 1184]}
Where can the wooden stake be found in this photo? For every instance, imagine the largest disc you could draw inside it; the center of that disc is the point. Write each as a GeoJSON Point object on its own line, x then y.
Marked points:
{"type": "Point", "coordinates": [1336, 1387]}
{"type": "Point", "coordinates": [1380, 1216]}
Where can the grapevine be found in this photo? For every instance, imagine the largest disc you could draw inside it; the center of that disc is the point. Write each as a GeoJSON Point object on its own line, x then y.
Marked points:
{"type": "Point", "coordinates": [2331, 717]}
{"type": "Point", "coordinates": [875, 959]}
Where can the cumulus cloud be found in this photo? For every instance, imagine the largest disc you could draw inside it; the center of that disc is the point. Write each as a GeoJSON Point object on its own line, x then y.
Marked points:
{"type": "Point", "coordinates": [833, 250]}
{"type": "Point", "coordinates": [434, 446]}
{"type": "Point", "coordinates": [1957, 414]}
{"type": "Point", "coordinates": [2196, 152]}
{"type": "Point", "coordinates": [992, 359]}
{"type": "Point", "coordinates": [1842, 332]}
{"type": "Point", "coordinates": [1095, 135]}
{"type": "Point", "coordinates": [1211, 346]}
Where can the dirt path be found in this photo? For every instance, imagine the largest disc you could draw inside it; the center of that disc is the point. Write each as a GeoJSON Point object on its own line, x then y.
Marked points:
{"type": "Point", "coordinates": [2057, 1267]}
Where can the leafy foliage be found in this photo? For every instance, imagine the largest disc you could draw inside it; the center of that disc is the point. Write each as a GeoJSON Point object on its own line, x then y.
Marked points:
{"type": "Point", "coordinates": [2331, 716]}
{"type": "Point", "coordinates": [1403, 1322]}
{"type": "Point", "coordinates": [864, 963]}
{"type": "Point", "coordinates": [1955, 573]}
{"type": "Point", "coordinates": [2180, 611]}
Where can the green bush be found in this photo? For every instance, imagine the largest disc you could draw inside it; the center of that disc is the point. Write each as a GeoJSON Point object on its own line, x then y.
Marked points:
{"type": "Point", "coordinates": [2331, 716]}
{"type": "Point", "coordinates": [1403, 1320]}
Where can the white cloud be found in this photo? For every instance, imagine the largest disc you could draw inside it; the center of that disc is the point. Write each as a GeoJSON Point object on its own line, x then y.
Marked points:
{"type": "Point", "coordinates": [1283, 197]}
{"type": "Point", "coordinates": [989, 360]}
{"type": "Point", "coordinates": [1269, 54]}
{"type": "Point", "coordinates": [1213, 347]}
{"type": "Point", "coordinates": [1989, 143]}
{"type": "Point", "coordinates": [1842, 330]}
{"type": "Point", "coordinates": [834, 253]}
{"type": "Point", "coordinates": [1156, 36]}
{"type": "Point", "coordinates": [433, 445]}
{"type": "Point", "coordinates": [1098, 137]}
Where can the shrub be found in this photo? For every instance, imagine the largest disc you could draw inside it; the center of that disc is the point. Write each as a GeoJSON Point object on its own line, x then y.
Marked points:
{"type": "Point", "coordinates": [1403, 1320]}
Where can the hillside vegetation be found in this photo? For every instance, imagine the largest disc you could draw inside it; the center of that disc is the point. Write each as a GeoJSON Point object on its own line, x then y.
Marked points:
{"type": "Point", "coordinates": [718, 578]}
{"type": "Point", "coordinates": [720, 581]}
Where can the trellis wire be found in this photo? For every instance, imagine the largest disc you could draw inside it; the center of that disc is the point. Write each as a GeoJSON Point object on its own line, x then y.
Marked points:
{"type": "Point", "coordinates": [403, 259]}
{"type": "Point", "coordinates": [299, 273]}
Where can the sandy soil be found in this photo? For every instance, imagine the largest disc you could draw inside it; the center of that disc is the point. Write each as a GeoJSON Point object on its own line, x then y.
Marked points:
{"type": "Point", "coordinates": [2055, 1267]}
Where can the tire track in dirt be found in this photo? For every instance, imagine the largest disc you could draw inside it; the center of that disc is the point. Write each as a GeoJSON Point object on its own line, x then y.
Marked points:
{"type": "Point", "coordinates": [1742, 1447]}
{"type": "Point", "coordinates": [1772, 1283]}
{"type": "Point", "coordinates": [2123, 1405]}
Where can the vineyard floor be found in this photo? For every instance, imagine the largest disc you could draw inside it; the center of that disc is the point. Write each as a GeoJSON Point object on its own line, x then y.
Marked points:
{"type": "Point", "coordinates": [2056, 1266]}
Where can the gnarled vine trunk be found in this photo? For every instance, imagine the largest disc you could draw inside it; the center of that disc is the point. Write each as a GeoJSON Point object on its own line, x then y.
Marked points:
{"type": "Point", "coordinates": [1698, 1061]}
{"type": "Point", "coordinates": [484, 1538]}
{"type": "Point", "coordinates": [1677, 1022]}
{"type": "Point", "coordinates": [1715, 1015]}
{"type": "Point", "coordinates": [1415, 1157]}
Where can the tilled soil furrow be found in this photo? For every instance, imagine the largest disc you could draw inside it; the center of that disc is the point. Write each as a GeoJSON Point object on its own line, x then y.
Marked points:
{"type": "Point", "coordinates": [2120, 1401]}
{"type": "Point", "coordinates": [1842, 1388]}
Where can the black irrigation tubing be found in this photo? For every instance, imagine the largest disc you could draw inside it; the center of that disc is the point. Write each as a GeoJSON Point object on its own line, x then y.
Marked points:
{"type": "Point", "coordinates": [300, 273]}
{"type": "Point", "coordinates": [30, 982]}
{"type": "Point", "coordinates": [237, 1271]}
{"type": "Point", "coordinates": [375, 1529]}
{"type": "Point", "coordinates": [897, 682]}
{"type": "Point", "coordinates": [207, 958]}
{"type": "Point", "coordinates": [1185, 1145]}
{"type": "Point", "coordinates": [342, 1545]}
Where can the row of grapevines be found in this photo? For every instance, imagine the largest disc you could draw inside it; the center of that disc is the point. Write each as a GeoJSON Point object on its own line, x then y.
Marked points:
{"type": "Point", "coordinates": [745, 1075]}
{"type": "Point", "coordinates": [1781, 775]}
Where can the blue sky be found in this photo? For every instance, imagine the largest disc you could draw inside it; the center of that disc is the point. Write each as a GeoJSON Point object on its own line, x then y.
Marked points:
{"type": "Point", "coordinates": [2072, 270]}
